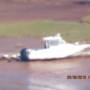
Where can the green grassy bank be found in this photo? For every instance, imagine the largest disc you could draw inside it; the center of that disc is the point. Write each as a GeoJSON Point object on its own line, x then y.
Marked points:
{"type": "Point", "coordinates": [71, 31]}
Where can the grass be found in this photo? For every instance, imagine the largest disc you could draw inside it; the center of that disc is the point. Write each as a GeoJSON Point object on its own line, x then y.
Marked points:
{"type": "Point", "coordinates": [71, 31]}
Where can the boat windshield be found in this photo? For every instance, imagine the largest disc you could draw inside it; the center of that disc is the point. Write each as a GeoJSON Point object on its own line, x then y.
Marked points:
{"type": "Point", "coordinates": [53, 41]}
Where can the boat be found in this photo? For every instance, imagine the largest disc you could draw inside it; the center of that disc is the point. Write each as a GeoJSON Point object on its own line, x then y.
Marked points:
{"type": "Point", "coordinates": [54, 47]}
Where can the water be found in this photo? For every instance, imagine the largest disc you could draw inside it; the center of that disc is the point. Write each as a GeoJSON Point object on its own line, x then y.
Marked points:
{"type": "Point", "coordinates": [45, 75]}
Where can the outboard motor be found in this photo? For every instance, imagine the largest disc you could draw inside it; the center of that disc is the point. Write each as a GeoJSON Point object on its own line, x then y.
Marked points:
{"type": "Point", "coordinates": [24, 54]}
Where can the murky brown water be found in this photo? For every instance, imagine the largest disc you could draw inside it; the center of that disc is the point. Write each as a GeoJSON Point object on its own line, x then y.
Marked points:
{"type": "Point", "coordinates": [45, 75]}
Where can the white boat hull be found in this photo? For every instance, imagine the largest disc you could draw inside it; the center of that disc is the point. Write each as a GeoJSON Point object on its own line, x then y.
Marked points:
{"type": "Point", "coordinates": [55, 52]}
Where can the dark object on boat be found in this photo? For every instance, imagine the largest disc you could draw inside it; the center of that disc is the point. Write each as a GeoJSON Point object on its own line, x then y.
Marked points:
{"type": "Point", "coordinates": [24, 54]}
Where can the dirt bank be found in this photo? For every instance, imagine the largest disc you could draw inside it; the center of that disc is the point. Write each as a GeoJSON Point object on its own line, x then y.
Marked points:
{"type": "Point", "coordinates": [53, 10]}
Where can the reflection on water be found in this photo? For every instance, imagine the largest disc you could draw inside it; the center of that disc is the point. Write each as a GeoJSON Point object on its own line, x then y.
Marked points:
{"type": "Point", "coordinates": [13, 76]}
{"type": "Point", "coordinates": [44, 75]}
